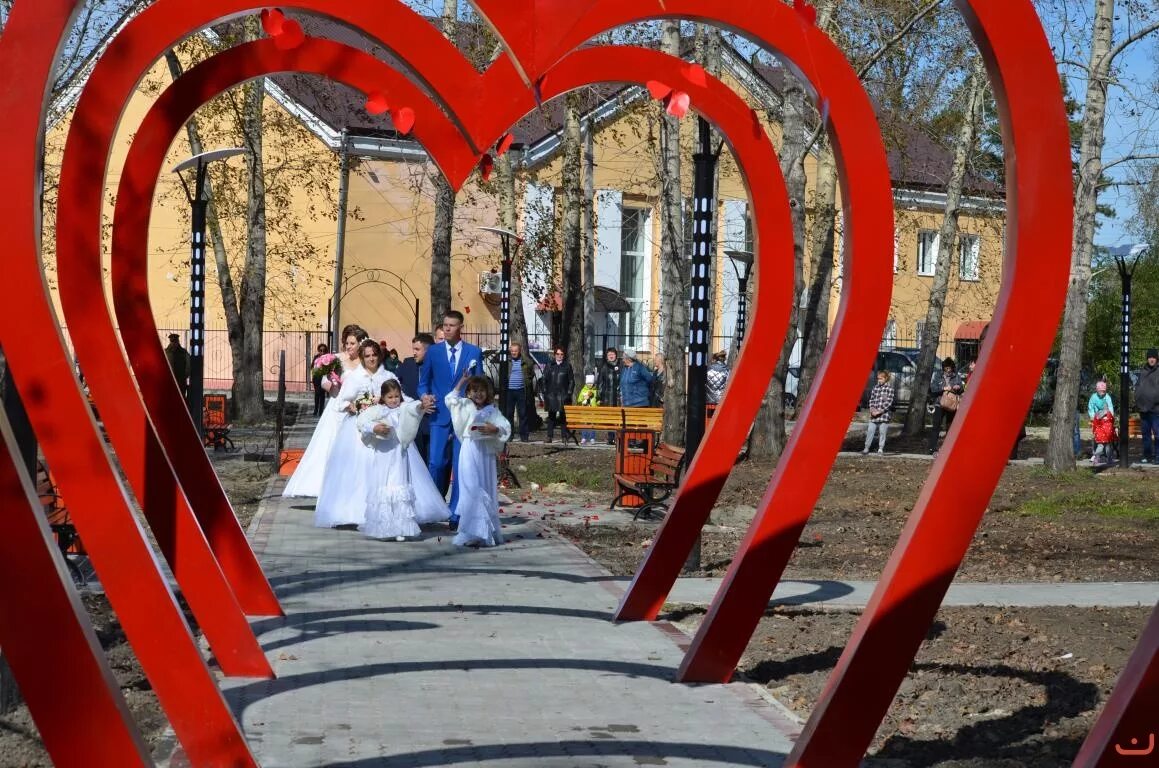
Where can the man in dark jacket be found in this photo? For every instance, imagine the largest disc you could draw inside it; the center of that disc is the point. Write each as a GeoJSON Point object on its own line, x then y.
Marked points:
{"type": "Point", "coordinates": [608, 382]}
{"type": "Point", "coordinates": [558, 387]}
{"type": "Point", "coordinates": [408, 379]}
{"type": "Point", "coordinates": [1147, 403]}
{"type": "Point", "coordinates": [178, 362]}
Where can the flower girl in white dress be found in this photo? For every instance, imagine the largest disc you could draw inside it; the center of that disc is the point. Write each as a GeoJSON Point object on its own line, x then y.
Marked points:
{"type": "Point", "coordinates": [402, 495]}
{"type": "Point", "coordinates": [483, 431]}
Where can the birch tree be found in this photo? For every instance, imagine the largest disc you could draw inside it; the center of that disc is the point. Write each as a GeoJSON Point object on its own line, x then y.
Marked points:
{"type": "Point", "coordinates": [674, 268]}
{"type": "Point", "coordinates": [947, 245]}
{"type": "Point", "coordinates": [571, 286]}
{"type": "Point", "coordinates": [1100, 75]}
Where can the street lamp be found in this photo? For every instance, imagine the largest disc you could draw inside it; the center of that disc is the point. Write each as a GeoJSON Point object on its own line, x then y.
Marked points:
{"type": "Point", "coordinates": [506, 238]}
{"type": "Point", "coordinates": [1127, 258]}
{"type": "Point", "coordinates": [742, 264]}
{"type": "Point", "coordinates": [199, 202]}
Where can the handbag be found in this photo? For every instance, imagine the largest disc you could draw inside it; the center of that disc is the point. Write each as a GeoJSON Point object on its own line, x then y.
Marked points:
{"type": "Point", "coordinates": [950, 401]}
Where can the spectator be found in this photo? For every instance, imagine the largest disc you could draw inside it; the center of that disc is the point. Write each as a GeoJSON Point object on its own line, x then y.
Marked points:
{"type": "Point", "coordinates": [1147, 403]}
{"type": "Point", "coordinates": [391, 363]}
{"type": "Point", "coordinates": [178, 363]}
{"type": "Point", "coordinates": [588, 397]}
{"type": "Point", "coordinates": [658, 381]}
{"type": "Point", "coordinates": [946, 391]}
{"type": "Point", "coordinates": [635, 382]}
{"type": "Point", "coordinates": [717, 377]}
{"type": "Point", "coordinates": [520, 382]}
{"type": "Point", "coordinates": [319, 393]}
{"type": "Point", "coordinates": [880, 408]}
{"type": "Point", "coordinates": [1101, 411]}
{"type": "Point", "coordinates": [608, 382]}
{"type": "Point", "coordinates": [558, 387]}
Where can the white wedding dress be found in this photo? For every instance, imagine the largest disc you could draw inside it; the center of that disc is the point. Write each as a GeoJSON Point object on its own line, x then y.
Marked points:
{"type": "Point", "coordinates": [345, 483]}
{"type": "Point", "coordinates": [402, 495]}
{"type": "Point", "coordinates": [307, 477]}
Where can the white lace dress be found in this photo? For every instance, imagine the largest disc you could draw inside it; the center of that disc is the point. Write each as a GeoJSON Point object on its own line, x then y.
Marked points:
{"type": "Point", "coordinates": [307, 477]}
{"type": "Point", "coordinates": [477, 474]}
{"type": "Point", "coordinates": [402, 495]}
{"type": "Point", "coordinates": [344, 484]}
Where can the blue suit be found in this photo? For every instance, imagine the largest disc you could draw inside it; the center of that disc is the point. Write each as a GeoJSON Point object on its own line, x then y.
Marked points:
{"type": "Point", "coordinates": [437, 378]}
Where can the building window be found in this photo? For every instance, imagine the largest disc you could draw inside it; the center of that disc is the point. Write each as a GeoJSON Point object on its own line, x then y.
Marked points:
{"type": "Point", "coordinates": [927, 252]}
{"type": "Point", "coordinates": [968, 248]}
{"type": "Point", "coordinates": [633, 246]}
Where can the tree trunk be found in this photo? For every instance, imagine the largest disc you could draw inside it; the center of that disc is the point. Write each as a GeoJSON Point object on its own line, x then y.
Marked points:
{"type": "Point", "coordinates": [571, 286]}
{"type": "Point", "coordinates": [769, 437]}
{"type": "Point", "coordinates": [249, 405]}
{"type": "Point", "coordinates": [442, 227]}
{"type": "Point", "coordinates": [505, 173]}
{"type": "Point", "coordinates": [674, 267]}
{"type": "Point", "coordinates": [947, 240]}
{"type": "Point", "coordinates": [589, 251]}
{"type": "Point", "coordinates": [814, 327]}
{"type": "Point", "coordinates": [1060, 448]}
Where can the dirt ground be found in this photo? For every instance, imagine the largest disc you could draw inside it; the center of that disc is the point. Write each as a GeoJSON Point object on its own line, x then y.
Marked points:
{"type": "Point", "coordinates": [1039, 526]}
{"type": "Point", "coordinates": [990, 688]}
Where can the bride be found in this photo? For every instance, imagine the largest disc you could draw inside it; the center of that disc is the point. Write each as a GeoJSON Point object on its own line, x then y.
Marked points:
{"type": "Point", "coordinates": [307, 477]}
{"type": "Point", "coordinates": [348, 469]}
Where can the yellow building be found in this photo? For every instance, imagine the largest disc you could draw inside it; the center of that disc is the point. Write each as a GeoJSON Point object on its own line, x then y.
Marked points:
{"type": "Point", "coordinates": [388, 227]}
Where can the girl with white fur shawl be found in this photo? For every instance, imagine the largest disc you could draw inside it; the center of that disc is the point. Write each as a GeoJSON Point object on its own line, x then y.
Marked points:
{"type": "Point", "coordinates": [483, 431]}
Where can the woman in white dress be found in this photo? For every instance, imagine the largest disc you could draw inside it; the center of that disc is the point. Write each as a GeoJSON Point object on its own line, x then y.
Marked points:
{"type": "Point", "coordinates": [402, 495]}
{"type": "Point", "coordinates": [307, 477]}
{"type": "Point", "coordinates": [483, 431]}
{"type": "Point", "coordinates": [345, 482]}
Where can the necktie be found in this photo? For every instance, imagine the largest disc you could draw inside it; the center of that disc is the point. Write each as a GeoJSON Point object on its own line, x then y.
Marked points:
{"type": "Point", "coordinates": [453, 370]}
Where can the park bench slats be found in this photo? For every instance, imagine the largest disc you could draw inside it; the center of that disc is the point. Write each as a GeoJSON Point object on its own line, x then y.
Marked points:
{"type": "Point", "coordinates": [657, 484]}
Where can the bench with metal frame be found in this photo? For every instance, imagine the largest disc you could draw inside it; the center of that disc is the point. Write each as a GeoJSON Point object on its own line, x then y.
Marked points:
{"type": "Point", "coordinates": [655, 485]}
{"type": "Point", "coordinates": [636, 430]}
{"type": "Point", "coordinates": [59, 520]}
{"type": "Point", "coordinates": [215, 423]}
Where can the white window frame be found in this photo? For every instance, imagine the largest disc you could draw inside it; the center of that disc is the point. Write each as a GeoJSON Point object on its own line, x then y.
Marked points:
{"type": "Point", "coordinates": [969, 254]}
{"type": "Point", "coordinates": [927, 257]}
{"type": "Point", "coordinates": [636, 325]}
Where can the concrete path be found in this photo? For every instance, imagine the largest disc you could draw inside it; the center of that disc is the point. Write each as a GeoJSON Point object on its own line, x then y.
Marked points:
{"type": "Point", "coordinates": [419, 654]}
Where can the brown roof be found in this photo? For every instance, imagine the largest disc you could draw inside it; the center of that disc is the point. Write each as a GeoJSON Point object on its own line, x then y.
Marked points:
{"type": "Point", "coordinates": [916, 161]}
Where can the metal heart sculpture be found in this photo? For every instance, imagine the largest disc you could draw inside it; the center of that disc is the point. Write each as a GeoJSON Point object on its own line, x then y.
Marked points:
{"type": "Point", "coordinates": [467, 113]}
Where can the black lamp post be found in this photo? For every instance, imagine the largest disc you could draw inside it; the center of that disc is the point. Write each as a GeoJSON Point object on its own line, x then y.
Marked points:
{"type": "Point", "coordinates": [1127, 258]}
{"type": "Point", "coordinates": [507, 238]}
{"type": "Point", "coordinates": [742, 264]}
{"type": "Point", "coordinates": [200, 203]}
{"type": "Point", "coordinates": [700, 305]}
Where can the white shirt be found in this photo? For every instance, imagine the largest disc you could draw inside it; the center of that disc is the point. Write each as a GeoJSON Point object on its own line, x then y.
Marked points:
{"type": "Point", "coordinates": [458, 350]}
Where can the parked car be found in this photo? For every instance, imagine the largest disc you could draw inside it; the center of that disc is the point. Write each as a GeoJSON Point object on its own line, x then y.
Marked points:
{"type": "Point", "coordinates": [902, 367]}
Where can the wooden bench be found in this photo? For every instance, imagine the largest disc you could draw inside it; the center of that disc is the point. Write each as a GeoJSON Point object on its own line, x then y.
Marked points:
{"type": "Point", "coordinates": [636, 430]}
{"type": "Point", "coordinates": [655, 485]}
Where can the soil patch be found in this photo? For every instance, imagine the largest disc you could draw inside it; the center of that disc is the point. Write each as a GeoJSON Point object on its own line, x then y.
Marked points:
{"type": "Point", "coordinates": [1039, 526]}
{"type": "Point", "coordinates": [989, 687]}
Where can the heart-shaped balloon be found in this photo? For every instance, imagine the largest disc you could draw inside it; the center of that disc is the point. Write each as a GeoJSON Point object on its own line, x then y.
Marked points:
{"type": "Point", "coordinates": [376, 103]}
{"type": "Point", "coordinates": [657, 89]}
{"type": "Point", "coordinates": [677, 104]}
{"type": "Point", "coordinates": [291, 35]}
{"type": "Point", "coordinates": [404, 120]}
{"type": "Point", "coordinates": [272, 20]}
{"type": "Point", "coordinates": [504, 145]}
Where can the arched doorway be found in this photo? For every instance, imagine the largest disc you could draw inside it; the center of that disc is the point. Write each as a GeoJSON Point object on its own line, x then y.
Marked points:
{"type": "Point", "coordinates": [376, 276]}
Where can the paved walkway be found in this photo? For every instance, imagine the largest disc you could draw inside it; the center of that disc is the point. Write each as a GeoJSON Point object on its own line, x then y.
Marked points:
{"type": "Point", "coordinates": [419, 654]}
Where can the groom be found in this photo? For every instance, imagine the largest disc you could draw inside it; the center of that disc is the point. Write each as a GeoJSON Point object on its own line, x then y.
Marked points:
{"type": "Point", "coordinates": [444, 363]}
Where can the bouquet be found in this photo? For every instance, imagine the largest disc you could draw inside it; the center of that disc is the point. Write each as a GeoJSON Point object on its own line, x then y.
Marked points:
{"type": "Point", "coordinates": [328, 365]}
{"type": "Point", "coordinates": [364, 401]}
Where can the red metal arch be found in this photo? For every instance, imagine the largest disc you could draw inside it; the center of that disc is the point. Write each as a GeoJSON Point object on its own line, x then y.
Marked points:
{"type": "Point", "coordinates": [70, 440]}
